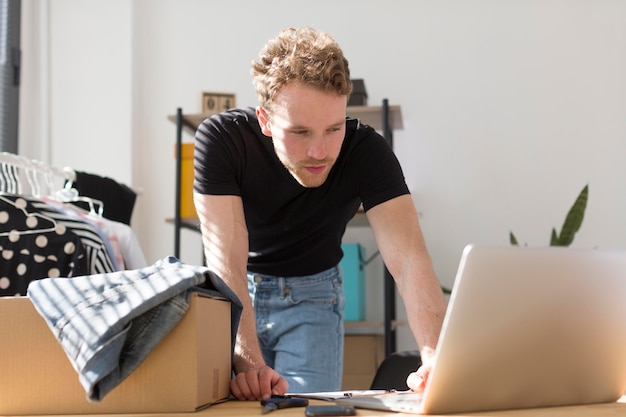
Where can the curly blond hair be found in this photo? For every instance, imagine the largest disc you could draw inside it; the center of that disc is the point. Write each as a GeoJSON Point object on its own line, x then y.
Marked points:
{"type": "Point", "coordinates": [303, 55]}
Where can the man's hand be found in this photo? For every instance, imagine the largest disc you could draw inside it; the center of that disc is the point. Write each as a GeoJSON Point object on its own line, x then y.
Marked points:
{"type": "Point", "coordinates": [258, 383]}
{"type": "Point", "coordinates": [416, 381]}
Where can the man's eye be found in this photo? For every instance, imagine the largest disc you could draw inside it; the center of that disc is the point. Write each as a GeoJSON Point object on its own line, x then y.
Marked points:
{"type": "Point", "coordinates": [300, 132]}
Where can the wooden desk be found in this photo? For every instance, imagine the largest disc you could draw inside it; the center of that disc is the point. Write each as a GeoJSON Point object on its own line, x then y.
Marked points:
{"type": "Point", "coordinates": [252, 408]}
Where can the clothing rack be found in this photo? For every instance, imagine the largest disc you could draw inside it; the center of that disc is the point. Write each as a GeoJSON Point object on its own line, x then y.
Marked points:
{"type": "Point", "coordinates": [50, 228]}
{"type": "Point", "coordinates": [24, 176]}
{"type": "Point", "coordinates": [21, 175]}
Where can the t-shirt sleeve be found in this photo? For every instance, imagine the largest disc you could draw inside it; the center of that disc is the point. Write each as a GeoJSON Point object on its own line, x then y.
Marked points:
{"type": "Point", "coordinates": [379, 175]}
{"type": "Point", "coordinates": [217, 161]}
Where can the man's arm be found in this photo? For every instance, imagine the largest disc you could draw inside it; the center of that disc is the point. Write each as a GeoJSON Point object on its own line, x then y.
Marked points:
{"type": "Point", "coordinates": [225, 240]}
{"type": "Point", "coordinates": [401, 243]}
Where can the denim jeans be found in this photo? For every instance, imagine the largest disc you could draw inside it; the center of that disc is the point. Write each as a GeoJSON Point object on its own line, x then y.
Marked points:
{"type": "Point", "coordinates": [107, 324]}
{"type": "Point", "coordinates": [300, 327]}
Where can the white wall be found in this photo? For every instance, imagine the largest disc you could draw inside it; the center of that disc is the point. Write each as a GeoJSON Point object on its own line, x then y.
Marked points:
{"type": "Point", "coordinates": [509, 107]}
{"type": "Point", "coordinates": [78, 108]}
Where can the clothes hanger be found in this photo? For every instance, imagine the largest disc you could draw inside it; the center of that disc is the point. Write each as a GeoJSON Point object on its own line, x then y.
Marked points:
{"type": "Point", "coordinates": [42, 180]}
{"type": "Point", "coordinates": [31, 219]}
{"type": "Point", "coordinates": [9, 173]}
{"type": "Point", "coordinates": [70, 195]}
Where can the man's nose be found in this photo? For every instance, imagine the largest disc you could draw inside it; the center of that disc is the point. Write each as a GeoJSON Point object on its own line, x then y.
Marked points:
{"type": "Point", "coordinates": [317, 147]}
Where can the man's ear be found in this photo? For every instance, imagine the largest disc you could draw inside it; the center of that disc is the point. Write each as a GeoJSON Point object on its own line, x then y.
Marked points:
{"type": "Point", "coordinates": [264, 121]}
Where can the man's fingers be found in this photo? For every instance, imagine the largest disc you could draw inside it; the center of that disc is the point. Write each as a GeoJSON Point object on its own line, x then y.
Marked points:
{"type": "Point", "coordinates": [241, 387]}
{"type": "Point", "coordinates": [415, 382]}
{"type": "Point", "coordinates": [257, 384]}
{"type": "Point", "coordinates": [279, 384]}
{"type": "Point", "coordinates": [265, 381]}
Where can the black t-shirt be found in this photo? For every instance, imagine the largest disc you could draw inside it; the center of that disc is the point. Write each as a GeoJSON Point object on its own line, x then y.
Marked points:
{"type": "Point", "coordinates": [292, 230]}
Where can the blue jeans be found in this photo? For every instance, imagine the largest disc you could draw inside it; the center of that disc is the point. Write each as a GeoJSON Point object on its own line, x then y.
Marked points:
{"type": "Point", "coordinates": [300, 327]}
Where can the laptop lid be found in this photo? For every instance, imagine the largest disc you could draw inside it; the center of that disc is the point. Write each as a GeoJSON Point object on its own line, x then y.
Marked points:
{"type": "Point", "coordinates": [530, 327]}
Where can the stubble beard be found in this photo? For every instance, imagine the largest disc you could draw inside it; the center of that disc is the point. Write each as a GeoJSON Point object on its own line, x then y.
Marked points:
{"type": "Point", "coordinates": [305, 178]}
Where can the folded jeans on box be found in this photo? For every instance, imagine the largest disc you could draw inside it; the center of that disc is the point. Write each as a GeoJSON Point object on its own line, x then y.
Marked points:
{"type": "Point", "coordinates": [107, 324]}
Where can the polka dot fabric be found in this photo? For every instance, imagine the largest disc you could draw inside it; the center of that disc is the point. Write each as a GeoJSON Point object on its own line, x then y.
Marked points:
{"type": "Point", "coordinates": [34, 246]}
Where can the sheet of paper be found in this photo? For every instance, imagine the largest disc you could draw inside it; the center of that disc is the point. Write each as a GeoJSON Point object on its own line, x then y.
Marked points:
{"type": "Point", "coordinates": [333, 395]}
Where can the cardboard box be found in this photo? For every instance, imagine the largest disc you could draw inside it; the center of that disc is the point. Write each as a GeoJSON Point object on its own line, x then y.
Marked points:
{"type": "Point", "coordinates": [362, 356]}
{"type": "Point", "coordinates": [188, 370]}
{"type": "Point", "coordinates": [353, 267]}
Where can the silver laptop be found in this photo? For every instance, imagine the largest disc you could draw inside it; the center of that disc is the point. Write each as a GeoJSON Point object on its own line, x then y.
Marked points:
{"type": "Point", "coordinates": [526, 327]}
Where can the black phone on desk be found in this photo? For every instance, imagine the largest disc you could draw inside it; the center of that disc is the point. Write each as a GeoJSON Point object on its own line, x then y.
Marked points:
{"type": "Point", "coordinates": [329, 410]}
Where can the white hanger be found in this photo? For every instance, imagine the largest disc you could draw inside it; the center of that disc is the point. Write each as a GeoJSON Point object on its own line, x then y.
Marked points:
{"type": "Point", "coordinates": [70, 195]}
{"type": "Point", "coordinates": [23, 176]}
{"type": "Point", "coordinates": [33, 230]}
{"type": "Point", "coordinates": [10, 174]}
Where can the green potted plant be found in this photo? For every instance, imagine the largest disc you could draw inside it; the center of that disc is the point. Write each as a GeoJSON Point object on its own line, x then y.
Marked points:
{"type": "Point", "coordinates": [571, 225]}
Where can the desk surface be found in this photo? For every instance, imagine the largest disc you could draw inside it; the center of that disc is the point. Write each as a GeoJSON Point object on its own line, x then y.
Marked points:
{"type": "Point", "coordinates": [242, 408]}
{"type": "Point", "coordinates": [252, 408]}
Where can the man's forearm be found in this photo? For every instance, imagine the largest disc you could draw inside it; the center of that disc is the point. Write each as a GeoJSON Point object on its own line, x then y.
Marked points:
{"type": "Point", "coordinates": [426, 308]}
{"type": "Point", "coordinates": [247, 351]}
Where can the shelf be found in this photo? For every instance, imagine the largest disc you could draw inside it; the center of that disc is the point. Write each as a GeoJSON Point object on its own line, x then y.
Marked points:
{"type": "Point", "coordinates": [370, 326]}
{"type": "Point", "coordinates": [359, 219]}
{"type": "Point", "coordinates": [190, 122]}
{"type": "Point", "coordinates": [372, 116]}
{"type": "Point", "coordinates": [192, 223]}
{"type": "Point", "coordinates": [369, 115]}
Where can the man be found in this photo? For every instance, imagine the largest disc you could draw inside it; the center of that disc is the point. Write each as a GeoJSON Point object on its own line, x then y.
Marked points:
{"type": "Point", "coordinates": [274, 189]}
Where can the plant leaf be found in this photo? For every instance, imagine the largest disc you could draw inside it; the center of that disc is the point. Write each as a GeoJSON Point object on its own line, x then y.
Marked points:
{"type": "Point", "coordinates": [574, 219]}
{"type": "Point", "coordinates": [554, 239]}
